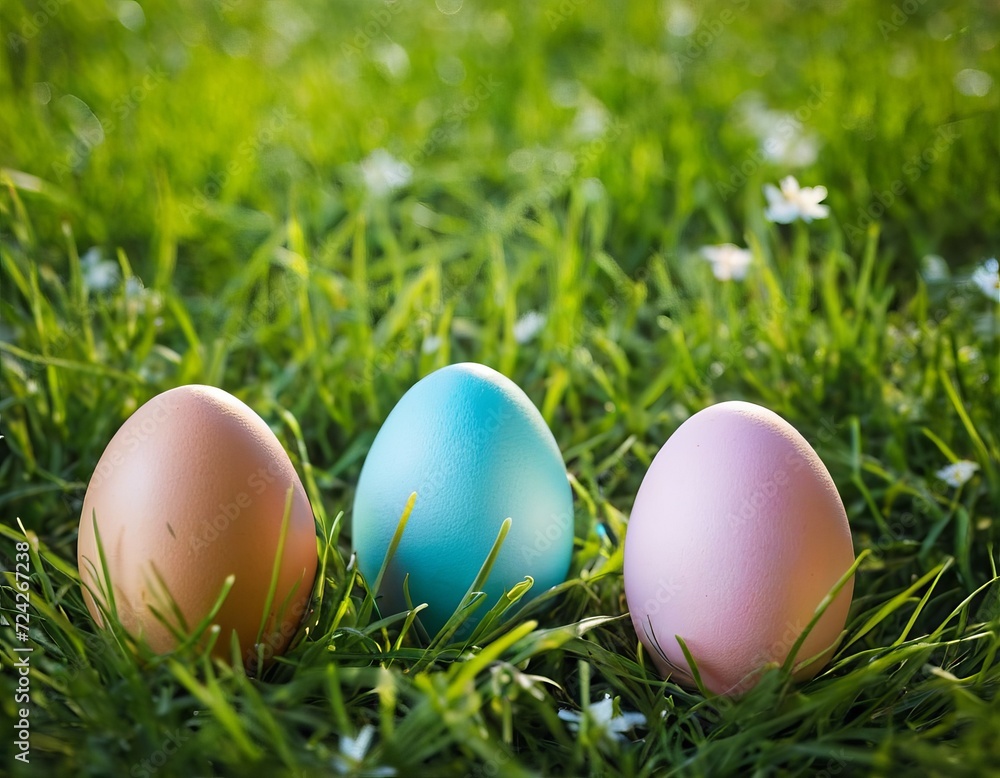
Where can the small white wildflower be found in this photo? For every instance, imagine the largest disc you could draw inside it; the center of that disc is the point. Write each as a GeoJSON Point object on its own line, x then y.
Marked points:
{"type": "Point", "coordinates": [973, 83]}
{"type": "Point", "coordinates": [356, 747]}
{"type": "Point", "coordinates": [528, 326]}
{"type": "Point", "coordinates": [353, 751]}
{"type": "Point", "coordinates": [591, 120]}
{"type": "Point", "coordinates": [682, 20]}
{"type": "Point", "coordinates": [788, 144]}
{"type": "Point", "coordinates": [133, 288]}
{"type": "Point", "coordinates": [383, 173]}
{"type": "Point", "coordinates": [934, 269]}
{"type": "Point", "coordinates": [793, 202]}
{"type": "Point", "coordinates": [431, 344]}
{"type": "Point", "coordinates": [592, 190]}
{"type": "Point", "coordinates": [783, 138]}
{"type": "Point", "coordinates": [729, 261]}
{"type": "Point", "coordinates": [987, 278]}
{"type": "Point", "coordinates": [393, 59]}
{"type": "Point", "coordinates": [968, 354]}
{"type": "Point", "coordinates": [99, 274]}
{"type": "Point", "coordinates": [957, 473]}
{"type": "Point", "coordinates": [602, 716]}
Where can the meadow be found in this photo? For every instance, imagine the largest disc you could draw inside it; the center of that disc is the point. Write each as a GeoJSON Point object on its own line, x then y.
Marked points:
{"type": "Point", "coordinates": [312, 205]}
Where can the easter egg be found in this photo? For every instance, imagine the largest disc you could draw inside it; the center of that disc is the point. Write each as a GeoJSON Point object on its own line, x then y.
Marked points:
{"type": "Point", "coordinates": [476, 451]}
{"type": "Point", "coordinates": [736, 536]}
{"type": "Point", "coordinates": [192, 489]}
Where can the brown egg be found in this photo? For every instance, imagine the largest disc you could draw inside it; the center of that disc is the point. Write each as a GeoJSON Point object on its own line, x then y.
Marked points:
{"type": "Point", "coordinates": [191, 490]}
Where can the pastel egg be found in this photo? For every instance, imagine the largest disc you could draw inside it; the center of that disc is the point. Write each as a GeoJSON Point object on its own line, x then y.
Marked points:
{"type": "Point", "coordinates": [476, 451]}
{"type": "Point", "coordinates": [192, 489]}
{"type": "Point", "coordinates": [736, 536]}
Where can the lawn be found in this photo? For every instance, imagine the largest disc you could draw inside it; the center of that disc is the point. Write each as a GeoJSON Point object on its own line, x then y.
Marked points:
{"type": "Point", "coordinates": [312, 205]}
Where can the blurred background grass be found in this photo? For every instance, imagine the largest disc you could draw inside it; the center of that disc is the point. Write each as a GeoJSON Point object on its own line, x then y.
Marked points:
{"type": "Point", "coordinates": [261, 108]}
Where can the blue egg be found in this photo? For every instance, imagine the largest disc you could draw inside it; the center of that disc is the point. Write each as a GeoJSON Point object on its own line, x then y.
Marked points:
{"type": "Point", "coordinates": [475, 449]}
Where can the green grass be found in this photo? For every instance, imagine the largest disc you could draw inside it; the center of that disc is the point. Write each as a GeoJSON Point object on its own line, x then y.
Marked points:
{"type": "Point", "coordinates": [226, 183]}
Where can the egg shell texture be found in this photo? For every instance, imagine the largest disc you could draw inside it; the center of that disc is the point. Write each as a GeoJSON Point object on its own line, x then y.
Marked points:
{"type": "Point", "coordinates": [192, 489]}
{"type": "Point", "coordinates": [476, 451]}
{"type": "Point", "coordinates": [736, 536]}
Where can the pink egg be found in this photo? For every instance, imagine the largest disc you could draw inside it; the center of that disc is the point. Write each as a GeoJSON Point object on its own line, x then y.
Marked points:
{"type": "Point", "coordinates": [736, 536]}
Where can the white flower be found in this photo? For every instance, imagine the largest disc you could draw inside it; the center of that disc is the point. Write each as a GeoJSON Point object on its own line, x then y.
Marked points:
{"type": "Point", "coordinates": [728, 261]}
{"type": "Point", "coordinates": [134, 288]}
{"type": "Point", "coordinates": [957, 473]}
{"type": "Point", "coordinates": [783, 138]}
{"type": "Point", "coordinates": [393, 59]}
{"type": "Point", "coordinates": [592, 190]}
{"type": "Point", "coordinates": [591, 120]}
{"type": "Point", "coordinates": [790, 145]}
{"type": "Point", "coordinates": [793, 202]}
{"type": "Point", "coordinates": [987, 278]}
{"type": "Point", "coordinates": [383, 173]}
{"type": "Point", "coordinates": [431, 344]}
{"type": "Point", "coordinates": [528, 326]}
{"type": "Point", "coordinates": [973, 83]}
{"type": "Point", "coordinates": [355, 748]}
{"type": "Point", "coordinates": [99, 275]}
{"type": "Point", "coordinates": [682, 20]}
{"type": "Point", "coordinates": [934, 269]}
{"type": "Point", "coordinates": [601, 715]}
{"type": "Point", "coordinates": [353, 751]}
